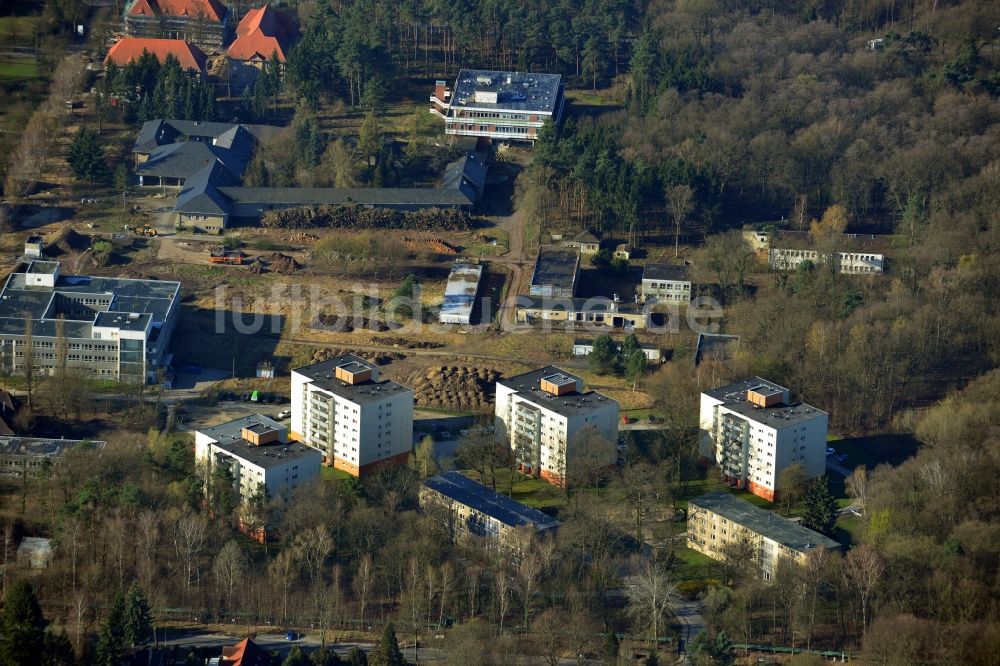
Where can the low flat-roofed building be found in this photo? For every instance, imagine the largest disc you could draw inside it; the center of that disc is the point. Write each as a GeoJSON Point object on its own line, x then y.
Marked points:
{"type": "Point", "coordinates": [850, 254]}
{"type": "Point", "coordinates": [589, 312]}
{"type": "Point", "coordinates": [34, 246]}
{"type": "Point", "coordinates": [586, 242]}
{"type": "Point", "coordinates": [112, 328]}
{"type": "Point", "coordinates": [344, 408]}
{"type": "Point", "coordinates": [502, 106]}
{"type": "Point", "coordinates": [720, 519]}
{"type": "Point", "coordinates": [584, 347]}
{"type": "Point", "coordinates": [19, 455]}
{"type": "Point", "coordinates": [257, 452]}
{"type": "Point", "coordinates": [547, 416]}
{"type": "Point", "coordinates": [666, 283]}
{"type": "Point", "coordinates": [460, 293]}
{"type": "Point", "coordinates": [470, 509]}
{"type": "Point", "coordinates": [556, 272]}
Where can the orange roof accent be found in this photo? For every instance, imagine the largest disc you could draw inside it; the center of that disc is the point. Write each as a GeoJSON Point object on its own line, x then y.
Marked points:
{"type": "Point", "coordinates": [211, 10]}
{"type": "Point", "coordinates": [128, 49]}
{"type": "Point", "coordinates": [245, 653]}
{"type": "Point", "coordinates": [262, 31]}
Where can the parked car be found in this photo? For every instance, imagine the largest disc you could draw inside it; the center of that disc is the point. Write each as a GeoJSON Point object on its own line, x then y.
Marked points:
{"type": "Point", "coordinates": [444, 434]}
{"type": "Point", "coordinates": [842, 457]}
{"type": "Point", "coordinates": [291, 635]}
{"type": "Point", "coordinates": [279, 399]}
{"type": "Point", "coordinates": [284, 415]}
{"type": "Point", "coordinates": [830, 451]}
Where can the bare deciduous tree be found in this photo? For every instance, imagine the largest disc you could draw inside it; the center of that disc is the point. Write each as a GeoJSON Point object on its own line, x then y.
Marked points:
{"type": "Point", "coordinates": [863, 567]}
{"type": "Point", "coordinates": [229, 569]}
{"type": "Point", "coordinates": [528, 580]}
{"type": "Point", "coordinates": [680, 201]}
{"type": "Point", "coordinates": [651, 596]}
{"type": "Point", "coordinates": [364, 580]}
{"type": "Point", "coordinates": [188, 539]}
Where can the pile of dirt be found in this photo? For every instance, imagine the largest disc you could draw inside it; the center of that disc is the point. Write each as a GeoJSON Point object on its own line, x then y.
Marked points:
{"type": "Point", "coordinates": [436, 245]}
{"type": "Point", "coordinates": [282, 263]}
{"type": "Point", "coordinates": [302, 237]}
{"type": "Point", "coordinates": [67, 242]}
{"type": "Point", "coordinates": [376, 357]}
{"type": "Point", "coordinates": [410, 344]}
{"type": "Point", "coordinates": [350, 323]}
{"type": "Point", "coordinates": [459, 388]}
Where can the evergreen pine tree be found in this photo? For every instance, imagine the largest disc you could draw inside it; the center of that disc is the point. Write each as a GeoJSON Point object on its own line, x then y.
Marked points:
{"type": "Point", "coordinates": [356, 657]}
{"type": "Point", "coordinates": [634, 364]}
{"type": "Point", "coordinates": [23, 626]}
{"type": "Point", "coordinates": [611, 648]}
{"type": "Point", "coordinates": [111, 639]}
{"type": "Point", "coordinates": [295, 658]}
{"type": "Point", "coordinates": [147, 111]}
{"type": "Point", "coordinates": [820, 507]}
{"type": "Point", "coordinates": [386, 652]}
{"type": "Point", "coordinates": [57, 650]}
{"type": "Point", "coordinates": [137, 622]}
{"type": "Point", "coordinates": [85, 157]}
{"type": "Point", "coordinates": [604, 355]}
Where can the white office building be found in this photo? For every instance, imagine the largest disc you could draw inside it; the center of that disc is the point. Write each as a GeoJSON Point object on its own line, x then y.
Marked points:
{"type": "Point", "coordinates": [358, 420]}
{"type": "Point", "coordinates": [753, 432]}
{"type": "Point", "coordinates": [257, 452]}
{"type": "Point", "coordinates": [504, 106]}
{"type": "Point", "coordinates": [546, 414]}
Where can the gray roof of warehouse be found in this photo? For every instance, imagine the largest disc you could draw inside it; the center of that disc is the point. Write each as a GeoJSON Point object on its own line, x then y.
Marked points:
{"type": "Point", "coordinates": [464, 490]}
{"type": "Point", "coordinates": [200, 193]}
{"type": "Point", "coordinates": [182, 160]}
{"type": "Point", "coordinates": [160, 132]}
{"type": "Point", "coordinates": [763, 522]}
{"type": "Point", "coordinates": [555, 266]}
{"type": "Point", "coordinates": [41, 446]}
{"type": "Point", "coordinates": [665, 272]}
{"type": "Point", "coordinates": [151, 297]}
{"type": "Point", "coordinates": [526, 92]}
{"type": "Point", "coordinates": [323, 376]}
{"type": "Point", "coordinates": [332, 196]}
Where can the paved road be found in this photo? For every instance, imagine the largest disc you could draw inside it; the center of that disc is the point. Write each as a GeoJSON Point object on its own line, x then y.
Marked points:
{"type": "Point", "coordinates": [689, 614]}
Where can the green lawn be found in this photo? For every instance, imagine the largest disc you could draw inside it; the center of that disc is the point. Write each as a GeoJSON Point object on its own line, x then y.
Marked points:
{"type": "Point", "coordinates": [16, 69]}
{"type": "Point", "coordinates": [333, 474]}
{"type": "Point", "coordinates": [692, 565]}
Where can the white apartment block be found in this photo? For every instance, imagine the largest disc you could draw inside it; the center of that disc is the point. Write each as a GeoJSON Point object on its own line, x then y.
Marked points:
{"type": "Point", "coordinates": [546, 415]}
{"type": "Point", "coordinates": [720, 520]}
{"type": "Point", "coordinates": [849, 263]}
{"type": "Point", "coordinates": [257, 452]}
{"type": "Point", "coordinates": [753, 433]}
{"type": "Point", "coordinates": [504, 106]}
{"type": "Point", "coordinates": [343, 408]}
{"type": "Point", "coordinates": [666, 283]}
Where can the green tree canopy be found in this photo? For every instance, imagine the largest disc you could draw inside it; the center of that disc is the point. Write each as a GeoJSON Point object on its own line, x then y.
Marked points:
{"type": "Point", "coordinates": [386, 652]}
{"type": "Point", "coordinates": [820, 507]}
{"type": "Point", "coordinates": [604, 355]}
{"type": "Point", "coordinates": [23, 626]}
{"type": "Point", "coordinates": [86, 157]}
{"type": "Point", "coordinates": [137, 623]}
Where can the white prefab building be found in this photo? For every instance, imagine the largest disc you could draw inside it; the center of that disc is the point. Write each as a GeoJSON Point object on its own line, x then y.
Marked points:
{"type": "Point", "coordinates": [460, 293]}
{"type": "Point", "coordinates": [505, 106]}
{"type": "Point", "coordinates": [665, 283]}
{"type": "Point", "coordinates": [585, 347]}
{"type": "Point", "coordinates": [753, 432]}
{"type": "Point", "coordinates": [257, 452]}
{"type": "Point", "coordinates": [546, 416]}
{"type": "Point", "coordinates": [359, 421]}
{"type": "Point", "coordinates": [848, 263]}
